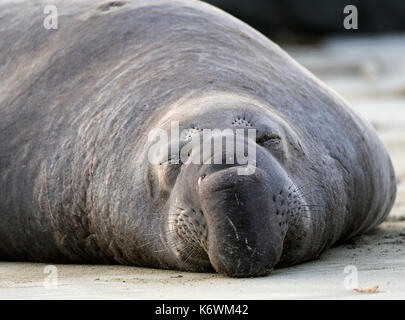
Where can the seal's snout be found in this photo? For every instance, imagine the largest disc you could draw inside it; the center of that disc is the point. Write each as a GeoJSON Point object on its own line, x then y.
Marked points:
{"type": "Point", "coordinates": [245, 237]}
{"type": "Point", "coordinates": [222, 218]}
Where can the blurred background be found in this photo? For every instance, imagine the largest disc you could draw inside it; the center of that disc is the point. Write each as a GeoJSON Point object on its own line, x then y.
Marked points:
{"type": "Point", "coordinates": [284, 18]}
{"type": "Point", "coordinates": [365, 65]}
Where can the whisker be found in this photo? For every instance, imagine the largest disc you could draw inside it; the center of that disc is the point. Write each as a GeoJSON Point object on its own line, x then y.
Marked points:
{"type": "Point", "coordinates": [307, 185]}
{"type": "Point", "coordinates": [191, 253]}
{"type": "Point", "coordinates": [312, 205]}
{"type": "Point", "coordinates": [308, 193]}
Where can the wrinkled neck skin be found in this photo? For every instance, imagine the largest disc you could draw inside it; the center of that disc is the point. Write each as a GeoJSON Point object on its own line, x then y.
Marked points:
{"type": "Point", "coordinates": [209, 217]}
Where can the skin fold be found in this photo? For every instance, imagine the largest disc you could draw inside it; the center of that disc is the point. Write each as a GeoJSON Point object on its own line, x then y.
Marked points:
{"type": "Point", "coordinates": [76, 107]}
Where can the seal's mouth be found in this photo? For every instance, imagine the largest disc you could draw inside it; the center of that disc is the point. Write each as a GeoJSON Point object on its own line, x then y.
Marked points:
{"type": "Point", "coordinates": [244, 239]}
{"type": "Point", "coordinates": [236, 229]}
{"type": "Point", "coordinates": [190, 230]}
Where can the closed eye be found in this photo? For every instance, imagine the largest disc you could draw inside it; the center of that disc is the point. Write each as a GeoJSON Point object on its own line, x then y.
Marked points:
{"type": "Point", "coordinates": [174, 160]}
{"type": "Point", "coordinates": [168, 172]}
{"type": "Point", "coordinates": [267, 139]}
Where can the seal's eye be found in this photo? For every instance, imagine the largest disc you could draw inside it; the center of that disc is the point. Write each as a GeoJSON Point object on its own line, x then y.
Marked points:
{"type": "Point", "coordinates": [269, 139]}
{"type": "Point", "coordinates": [274, 144]}
{"type": "Point", "coordinates": [168, 172]}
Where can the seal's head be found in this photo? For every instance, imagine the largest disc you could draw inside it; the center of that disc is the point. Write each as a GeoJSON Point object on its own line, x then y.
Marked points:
{"type": "Point", "coordinates": [222, 212]}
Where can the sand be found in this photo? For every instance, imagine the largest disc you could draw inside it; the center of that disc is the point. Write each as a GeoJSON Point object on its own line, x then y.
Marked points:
{"type": "Point", "coordinates": [379, 258]}
{"type": "Point", "coordinates": [361, 71]}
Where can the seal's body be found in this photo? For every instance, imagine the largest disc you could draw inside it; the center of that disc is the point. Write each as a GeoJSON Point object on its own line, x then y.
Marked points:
{"type": "Point", "coordinates": [76, 106]}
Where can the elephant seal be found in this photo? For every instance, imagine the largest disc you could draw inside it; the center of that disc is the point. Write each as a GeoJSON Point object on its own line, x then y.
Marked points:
{"type": "Point", "coordinates": [77, 105]}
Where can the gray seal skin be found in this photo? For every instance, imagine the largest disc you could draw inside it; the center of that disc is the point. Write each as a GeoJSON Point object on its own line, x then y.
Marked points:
{"type": "Point", "coordinates": [76, 107]}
